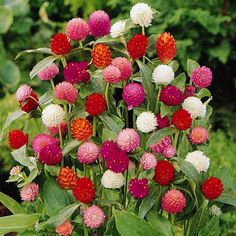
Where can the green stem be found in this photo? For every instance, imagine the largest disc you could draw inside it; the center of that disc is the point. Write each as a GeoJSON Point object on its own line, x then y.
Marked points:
{"type": "Point", "coordinates": [37, 125]}
{"type": "Point", "coordinates": [94, 125]}
{"type": "Point", "coordinates": [134, 120]}
{"type": "Point", "coordinates": [106, 95]}
{"type": "Point", "coordinates": [127, 118]}
{"type": "Point", "coordinates": [126, 188]}
{"type": "Point", "coordinates": [172, 219]}
{"type": "Point", "coordinates": [52, 84]}
{"type": "Point", "coordinates": [208, 100]}
{"type": "Point", "coordinates": [63, 61]}
{"type": "Point", "coordinates": [157, 101]}
{"type": "Point", "coordinates": [175, 142]}
{"type": "Point", "coordinates": [81, 44]}
{"type": "Point", "coordinates": [143, 30]}
{"type": "Point", "coordinates": [85, 231]}
{"type": "Point", "coordinates": [67, 120]}
{"type": "Point", "coordinates": [60, 136]}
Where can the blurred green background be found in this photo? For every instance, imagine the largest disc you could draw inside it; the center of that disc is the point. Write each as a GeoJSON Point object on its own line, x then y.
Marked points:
{"type": "Point", "coordinates": [204, 29]}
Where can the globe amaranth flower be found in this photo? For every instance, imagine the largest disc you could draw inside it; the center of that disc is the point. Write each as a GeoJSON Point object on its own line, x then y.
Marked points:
{"type": "Point", "coordinates": [67, 177]}
{"type": "Point", "coordinates": [198, 135]}
{"type": "Point", "coordinates": [111, 74]}
{"type": "Point", "coordinates": [23, 92]}
{"type": "Point", "coordinates": [159, 146]}
{"type": "Point", "coordinates": [107, 149]}
{"type": "Point", "coordinates": [169, 151]}
{"type": "Point", "coordinates": [133, 94]}
{"type": "Point", "coordinates": [146, 122]}
{"type": "Point", "coordinates": [124, 65]}
{"type": "Point", "coordinates": [202, 77]}
{"type": "Point", "coordinates": [17, 139]}
{"type": "Point", "coordinates": [215, 210]}
{"type": "Point", "coordinates": [138, 188]}
{"type": "Point", "coordinates": [29, 192]}
{"type": "Point", "coordinates": [101, 55]}
{"type": "Point", "coordinates": [60, 44]}
{"type": "Point", "coordinates": [163, 74]}
{"type": "Point", "coordinates": [50, 155]}
{"type": "Point", "coordinates": [14, 170]}
{"type": "Point", "coordinates": [198, 160]}
{"type": "Point", "coordinates": [49, 72]}
{"type": "Point", "coordinates": [148, 161]}
{"type": "Point", "coordinates": [189, 91]}
{"type": "Point", "coordinates": [162, 122]}
{"type": "Point", "coordinates": [118, 29]}
{"type": "Point", "coordinates": [95, 104]}
{"type": "Point", "coordinates": [212, 188]}
{"type": "Point", "coordinates": [64, 229]}
{"type": "Point", "coordinates": [171, 95]}
{"type": "Point", "coordinates": [81, 129]}
{"type": "Point", "coordinates": [112, 180]}
{"type": "Point", "coordinates": [54, 130]}
{"type": "Point", "coordinates": [88, 152]}
{"type": "Point", "coordinates": [173, 201]}
{"type": "Point", "coordinates": [141, 14]}
{"type": "Point", "coordinates": [181, 119]}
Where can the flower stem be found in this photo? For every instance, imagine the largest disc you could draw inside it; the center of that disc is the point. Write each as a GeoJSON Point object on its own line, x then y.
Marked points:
{"type": "Point", "coordinates": [94, 125]}
{"type": "Point", "coordinates": [106, 95]}
{"type": "Point", "coordinates": [63, 61]}
{"type": "Point", "coordinates": [143, 30]}
{"type": "Point", "coordinates": [175, 142]}
{"type": "Point", "coordinates": [67, 120]}
{"type": "Point", "coordinates": [60, 136]}
{"type": "Point", "coordinates": [85, 231]}
{"type": "Point", "coordinates": [52, 84]}
{"type": "Point", "coordinates": [81, 44]}
{"type": "Point", "coordinates": [126, 188]}
{"type": "Point", "coordinates": [157, 101]}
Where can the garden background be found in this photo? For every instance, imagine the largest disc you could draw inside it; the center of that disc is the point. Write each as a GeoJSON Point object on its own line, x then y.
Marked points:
{"type": "Point", "coordinates": [204, 29]}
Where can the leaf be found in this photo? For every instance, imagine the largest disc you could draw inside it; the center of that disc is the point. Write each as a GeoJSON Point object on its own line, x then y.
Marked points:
{"type": "Point", "coordinates": [111, 228]}
{"type": "Point", "coordinates": [111, 123]}
{"type": "Point", "coordinates": [164, 109]}
{"type": "Point", "coordinates": [107, 134]}
{"type": "Point", "coordinates": [191, 65]}
{"type": "Point", "coordinates": [221, 52]}
{"type": "Point", "coordinates": [225, 176]}
{"type": "Point", "coordinates": [212, 229]}
{"type": "Point", "coordinates": [156, 136]}
{"type": "Point", "coordinates": [203, 93]}
{"type": "Point", "coordinates": [53, 170]}
{"type": "Point", "coordinates": [70, 146]}
{"type": "Point", "coordinates": [227, 197]}
{"type": "Point", "coordinates": [6, 19]}
{"type": "Point", "coordinates": [174, 64]}
{"type": "Point", "coordinates": [45, 98]}
{"type": "Point", "coordinates": [179, 81]}
{"type": "Point", "coordinates": [30, 51]}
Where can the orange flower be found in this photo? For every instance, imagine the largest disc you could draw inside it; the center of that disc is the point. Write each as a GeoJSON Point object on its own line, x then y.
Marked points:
{"type": "Point", "coordinates": [81, 129]}
{"type": "Point", "coordinates": [66, 178]}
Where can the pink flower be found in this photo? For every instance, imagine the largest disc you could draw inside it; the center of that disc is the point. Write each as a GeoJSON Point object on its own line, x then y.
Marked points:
{"type": "Point", "coordinates": [107, 149]}
{"type": "Point", "coordinates": [93, 217]}
{"type": "Point", "coordinates": [189, 91]}
{"type": "Point", "coordinates": [23, 92]}
{"type": "Point", "coordinates": [159, 146]}
{"type": "Point", "coordinates": [88, 152]}
{"type": "Point", "coordinates": [148, 161]}
{"type": "Point", "coordinates": [29, 192]}
{"type": "Point", "coordinates": [128, 140]}
{"type": "Point", "coordinates": [162, 122]}
{"type": "Point", "coordinates": [49, 72]}
{"type": "Point", "coordinates": [65, 229]}
{"type": "Point", "coordinates": [198, 135]}
{"type": "Point", "coordinates": [169, 151]}
{"type": "Point", "coordinates": [55, 131]}
{"type": "Point", "coordinates": [202, 77]}
{"type": "Point", "coordinates": [171, 95]}
{"type": "Point", "coordinates": [138, 188]}
{"type": "Point", "coordinates": [50, 154]}
{"type": "Point", "coordinates": [15, 170]}
{"type": "Point", "coordinates": [124, 65]}
{"type": "Point", "coordinates": [112, 74]}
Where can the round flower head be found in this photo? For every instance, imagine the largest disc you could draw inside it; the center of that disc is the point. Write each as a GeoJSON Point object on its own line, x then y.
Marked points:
{"type": "Point", "coordinates": [112, 180]}
{"type": "Point", "coordinates": [181, 119]}
{"type": "Point", "coordinates": [17, 139]}
{"type": "Point", "coordinates": [173, 201]}
{"type": "Point", "coordinates": [138, 188]}
{"type": "Point", "coordinates": [54, 130]}
{"type": "Point", "coordinates": [60, 44]}
{"type": "Point", "coordinates": [93, 217]}
{"type": "Point", "coordinates": [169, 151]}
{"type": "Point", "coordinates": [171, 95]}
{"type": "Point", "coordinates": [148, 161]}
{"type": "Point", "coordinates": [146, 122]}
{"type": "Point", "coordinates": [117, 29]}
{"type": "Point", "coordinates": [212, 188]}
{"type": "Point", "coordinates": [112, 74]}
{"type": "Point", "coordinates": [53, 115]}
{"type": "Point", "coordinates": [81, 129]}
{"type": "Point", "coordinates": [162, 122]}
{"type": "Point", "coordinates": [161, 144]}
{"type": "Point", "coordinates": [50, 155]}
{"type": "Point", "coordinates": [124, 65]}
{"type": "Point", "coordinates": [107, 149]}
{"type": "Point", "coordinates": [95, 104]}
{"type": "Point", "coordinates": [99, 23]}
{"type": "Point", "coordinates": [215, 210]}
{"type": "Point", "coordinates": [195, 107]}
{"type": "Point", "coordinates": [189, 91]}
{"type": "Point", "coordinates": [49, 72]}
{"type": "Point", "coordinates": [133, 94]}
{"type": "Point", "coordinates": [88, 152]}
{"type": "Point", "coordinates": [198, 160]}
{"type": "Point", "coordinates": [66, 91]}
{"type": "Point", "coordinates": [65, 229]}
{"type": "Point", "coordinates": [163, 74]}
{"type": "Point", "coordinates": [198, 135]}
{"type": "Point", "coordinates": [23, 93]}
{"type": "Point", "coordinates": [141, 14]}
{"type": "Point", "coordinates": [128, 140]}
{"type": "Point", "coordinates": [29, 192]}
{"type": "Point", "coordinates": [202, 77]}
{"type": "Point", "coordinates": [77, 29]}
{"type": "Point", "coordinates": [67, 177]}
{"type": "Point", "coordinates": [15, 170]}
{"type": "Point", "coordinates": [101, 55]}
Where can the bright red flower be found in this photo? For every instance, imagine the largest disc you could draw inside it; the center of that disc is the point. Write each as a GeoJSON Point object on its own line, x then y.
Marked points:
{"type": "Point", "coordinates": [182, 119]}
{"type": "Point", "coordinates": [101, 55]}
{"type": "Point", "coordinates": [17, 139]}
{"type": "Point", "coordinates": [60, 44]}
{"type": "Point", "coordinates": [29, 104]}
{"type": "Point", "coordinates": [95, 104]}
{"type": "Point", "coordinates": [67, 177]}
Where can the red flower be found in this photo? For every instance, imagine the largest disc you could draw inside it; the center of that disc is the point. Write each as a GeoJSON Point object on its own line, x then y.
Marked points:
{"type": "Point", "coordinates": [164, 172]}
{"type": "Point", "coordinates": [101, 55]}
{"type": "Point", "coordinates": [137, 46]}
{"type": "Point", "coordinates": [171, 95]}
{"type": "Point", "coordinates": [182, 119]}
{"type": "Point", "coordinates": [162, 122]}
{"type": "Point", "coordinates": [95, 104]}
{"type": "Point", "coordinates": [29, 104]}
{"type": "Point", "coordinates": [84, 190]}
{"type": "Point", "coordinates": [189, 91]}
{"type": "Point", "coordinates": [17, 139]}
{"type": "Point", "coordinates": [212, 188]}
{"type": "Point", "coordinates": [60, 44]}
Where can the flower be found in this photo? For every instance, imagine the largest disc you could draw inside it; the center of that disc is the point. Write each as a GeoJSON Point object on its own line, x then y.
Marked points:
{"type": "Point", "coordinates": [137, 46]}
{"type": "Point", "coordinates": [29, 192]}
{"type": "Point", "coordinates": [49, 72]}
{"type": "Point", "coordinates": [163, 74]}
{"type": "Point", "coordinates": [202, 77]}
{"type": "Point", "coordinates": [164, 173]}
{"type": "Point", "coordinates": [162, 122]}
{"type": "Point", "coordinates": [198, 160]}
{"type": "Point", "coordinates": [65, 229]}
{"type": "Point", "coordinates": [141, 14]}
{"type": "Point", "coordinates": [195, 107]}
{"type": "Point", "coordinates": [124, 65]}
{"type": "Point", "coordinates": [166, 47]}
{"type": "Point", "coordinates": [138, 188]}
{"type": "Point", "coordinates": [107, 149]}
{"type": "Point", "coordinates": [60, 44]}
{"type": "Point", "coordinates": [50, 155]}
{"type": "Point", "coordinates": [17, 139]}
{"type": "Point", "coordinates": [88, 152]}
{"type": "Point", "coordinates": [118, 29]}
{"type": "Point", "coordinates": [171, 95]}
{"type": "Point", "coordinates": [111, 74]}
{"type": "Point", "coordinates": [67, 177]}
{"type": "Point", "coordinates": [54, 130]}
{"type": "Point", "coordinates": [181, 119]}
{"type": "Point", "coordinates": [101, 55]}
{"type": "Point", "coordinates": [95, 104]}
{"type": "Point", "coordinates": [133, 94]}
{"type": "Point", "coordinates": [173, 201]}
{"type": "Point", "coordinates": [84, 190]}
{"type": "Point", "coordinates": [189, 91]}
{"type": "Point", "coordinates": [215, 210]}
{"type": "Point", "coordinates": [161, 144]}
{"type": "Point", "coordinates": [198, 135]}
{"type": "Point", "coordinates": [146, 122]}
{"type": "Point", "coordinates": [112, 180]}
{"type": "Point", "coordinates": [128, 140]}
{"type": "Point", "coordinates": [169, 151]}
{"type": "Point", "coordinates": [99, 23]}
{"type": "Point", "coordinates": [15, 170]}
{"type": "Point", "coordinates": [148, 161]}
{"type": "Point", "coordinates": [212, 188]}
{"type": "Point", "coordinates": [76, 72]}
{"type": "Point", "coordinates": [81, 129]}
{"type": "Point", "coordinates": [93, 217]}
{"type": "Point", "coordinates": [53, 115]}
{"type": "Point", "coordinates": [77, 29]}
{"type": "Point", "coordinates": [23, 92]}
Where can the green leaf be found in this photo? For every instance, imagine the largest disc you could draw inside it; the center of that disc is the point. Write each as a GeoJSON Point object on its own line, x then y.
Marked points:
{"type": "Point", "coordinates": [33, 174]}
{"type": "Point", "coordinates": [164, 109]}
{"type": "Point", "coordinates": [30, 51]}
{"type": "Point", "coordinates": [179, 81]}
{"type": "Point", "coordinates": [203, 93]}
{"type": "Point", "coordinates": [212, 229]}
{"type": "Point", "coordinates": [53, 170]}
{"type": "Point", "coordinates": [107, 134]}
{"type": "Point", "coordinates": [70, 146]}
{"type": "Point", "coordinates": [22, 25]}
{"type": "Point", "coordinates": [221, 52]}
{"type": "Point", "coordinates": [156, 136]}
{"type": "Point", "coordinates": [18, 7]}
{"type": "Point", "coordinates": [225, 176]}
{"type": "Point", "coordinates": [113, 123]}
{"type": "Point", "coordinates": [6, 19]}
{"type": "Point", "coordinates": [111, 228]}
{"type": "Point", "coordinates": [174, 64]}
{"type": "Point", "coordinates": [228, 197]}
{"type": "Point", "coordinates": [191, 65]}
{"type": "Point", "coordinates": [45, 98]}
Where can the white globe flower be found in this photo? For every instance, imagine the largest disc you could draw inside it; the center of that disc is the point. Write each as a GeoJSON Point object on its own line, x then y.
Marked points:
{"type": "Point", "coordinates": [53, 115]}
{"type": "Point", "coordinates": [146, 122]}
{"type": "Point", "coordinates": [117, 29]}
{"type": "Point", "coordinates": [215, 210]}
{"type": "Point", "coordinates": [141, 14]}
{"type": "Point", "coordinates": [195, 107]}
{"type": "Point", "coordinates": [198, 160]}
{"type": "Point", "coordinates": [112, 180]}
{"type": "Point", "coordinates": [163, 74]}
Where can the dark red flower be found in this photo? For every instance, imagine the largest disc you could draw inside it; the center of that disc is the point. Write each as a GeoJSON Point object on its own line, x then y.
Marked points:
{"type": "Point", "coordinates": [95, 104]}
{"type": "Point", "coordinates": [162, 122]}
{"type": "Point", "coordinates": [30, 103]}
{"type": "Point", "coordinates": [189, 91]}
{"type": "Point", "coordinates": [171, 95]}
{"type": "Point", "coordinates": [182, 119]}
{"type": "Point", "coordinates": [60, 44]}
{"type": "Point", "coordinates": [17, 139]}
{"type": "Point", "coordinates": [139, 188]}
{"type": "Point", "coordinates": [50, 154]}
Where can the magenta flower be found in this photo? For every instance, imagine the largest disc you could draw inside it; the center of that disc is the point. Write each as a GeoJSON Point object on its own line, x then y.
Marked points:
{"type": "Point", "coordinates": [202, 77]}
{"type": "Point", "coordinates": [107, 149]}
{"type": "Point", "coordinates": [138, 188]}
{"type": "Point", "coordinates": [162, 122]}
{"type": "Point", "coordinates": [50, 155]}
{"type": "Point", "coordinates": [171, 95]}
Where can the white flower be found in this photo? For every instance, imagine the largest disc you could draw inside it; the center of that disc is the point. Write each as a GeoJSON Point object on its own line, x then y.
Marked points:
{"type": "Point", "coordinates": [15, 170]}
{"type": "Point", "coordinates": [215, 210]}
{"type": "Point", "coordinates": [112, 180]}
{"type": "Point", "coordinates": [141, 14]}
{"type": "Point", "coordinates": [163, 74]}
{"type": "Point", "coordinates": [195, 107]}
{"type": "Point", "coordinates": [198, 160]}
{"type": "Point", "coordinates": [53, 115]}
{"type": "Point", "coordinates": [146, 122]}
{"type": "Point", "coordinates": [117, 29]}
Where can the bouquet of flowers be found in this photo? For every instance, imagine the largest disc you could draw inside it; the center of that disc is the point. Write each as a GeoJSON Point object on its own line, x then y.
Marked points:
{"type": "Point", "coordinates": [120, 137]}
